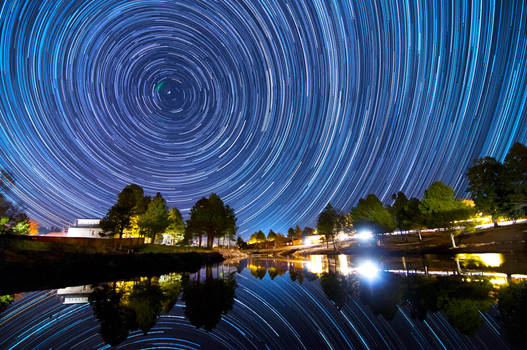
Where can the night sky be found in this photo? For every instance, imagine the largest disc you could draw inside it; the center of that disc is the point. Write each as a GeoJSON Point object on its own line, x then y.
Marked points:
{"type": "Point", "coordinates": [278, 106]}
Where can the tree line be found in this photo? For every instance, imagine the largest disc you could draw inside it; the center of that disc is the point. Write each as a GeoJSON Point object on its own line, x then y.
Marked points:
{"type": "Point", "coordinates": [136, 215]}
{"type": "Point", "coordinates": [497, 189]}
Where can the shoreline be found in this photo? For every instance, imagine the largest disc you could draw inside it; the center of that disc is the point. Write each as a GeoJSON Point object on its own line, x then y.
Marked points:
{"type": "Point", "coordinates": [59, 266]}
{"type": "Point", "coordinates": [505, 239]}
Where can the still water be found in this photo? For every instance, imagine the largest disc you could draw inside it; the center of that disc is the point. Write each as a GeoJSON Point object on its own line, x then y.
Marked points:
{"type": "Point", "coordinates": [474, 301]}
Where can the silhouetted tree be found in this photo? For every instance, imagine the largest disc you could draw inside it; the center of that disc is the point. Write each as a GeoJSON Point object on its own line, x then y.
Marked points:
{"type": "Point", "coordinates": [327, 224]}
{"type": "Point", "coordinates": [212, 217]}
{"type": "Point", "coordinates": [291, 233]}
{"type": "Point", "coordinates": [487, 187]}
{"type": "Point", "coordinates": [241, 243]}
{"type": "Point", "coordinates": [413, 218]}
{"type": "Point", "coordinates": [298, 232]}
{"type": "Point", "coordinates": [516, 180]}
{"type": "Point", "coordinates": [130, 202]}
{"type": "Point", "coordinates": [258, 237]}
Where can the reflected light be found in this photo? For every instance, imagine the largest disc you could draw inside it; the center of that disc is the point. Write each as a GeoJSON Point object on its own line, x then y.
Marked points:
{"type": "Point", "coordinates": [499, 281]}
{"type": "Point", "coordinates": [487, 259]}
{"type": "Point", "coordinates": [315, 265]}
{"type": "Point", "coordinates": [343, 265]}
{"type": "Point", "coordinates": [368, 269]}
{"type": "Point", "coordinates": [365, 235]}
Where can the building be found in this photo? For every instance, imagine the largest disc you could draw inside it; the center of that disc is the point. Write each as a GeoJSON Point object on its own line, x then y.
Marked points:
{"type": "Point", "coordinates": [75, 295]}
{"type": "Point", "coordinates": [88, 228]}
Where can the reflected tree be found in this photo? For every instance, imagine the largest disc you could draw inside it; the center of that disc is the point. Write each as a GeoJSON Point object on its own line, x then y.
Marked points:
{"type": "Point", "coordinates": [126, 306]}
{"type": "Point", "coordinates": [461, 301]}
{"type": "Point", "coordinates": [296, 275]}
{"type": "Point", "coordinates": [258, 271]}
{"type": "Point", "coordinates": [384, 297]}
{"type": "Point", "coordinates": [512, 306]}
{"type": "Point", "coordinates": [146, 302]}
{"type": "Point", "coordinates": [206, 302]}
{"type": "Point", "coordinates": [115, 319]}
{"type": "Point", "coordinates": [338, 288]}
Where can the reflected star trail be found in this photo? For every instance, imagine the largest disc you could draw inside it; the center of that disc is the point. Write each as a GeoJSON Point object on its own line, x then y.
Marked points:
{"type": "Point", "coordinates": [277, 106]}
{"type": "Point", "coordinates": [273, 312]}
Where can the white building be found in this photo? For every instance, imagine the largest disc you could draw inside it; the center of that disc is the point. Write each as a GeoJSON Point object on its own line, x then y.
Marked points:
{"type": "Point", "coordinates": [75, 295]}
{"type": "Point", "coordinates": [88, 228]}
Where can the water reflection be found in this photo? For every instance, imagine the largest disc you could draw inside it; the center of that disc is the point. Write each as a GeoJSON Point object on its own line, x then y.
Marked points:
{"type": "Point", "coordinates": [206, 302]}
{"type": "Point", "coordinates": [459, 292]}
{"type": "Point", "coordinates": [129, 305]}
{"type": "Point", "coordinates": [125, 306]}
{"type": "Point", "coordinates": [317, 302]}
{"type": "Point", "coordinates": [481, 260]}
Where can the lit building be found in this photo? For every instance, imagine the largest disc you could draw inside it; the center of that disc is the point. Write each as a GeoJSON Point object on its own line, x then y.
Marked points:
{"type": "Point", "coordinates": [88, 228]}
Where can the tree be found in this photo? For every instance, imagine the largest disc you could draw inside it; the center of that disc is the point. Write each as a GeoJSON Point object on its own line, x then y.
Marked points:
{"type": "Point", "coordinates": [413, 218]}
{"type": "Point", "coordinates": [271, 236]}
{"type": "Point", "coordinates": [327, 224]}
{"type": "Point", "coordinates": [370, 213]}
{"type": "Point", "coordinates": [515, 168]}
{"type": "Point", "coordinates": [241, 243]}
{"type": "Point", "coordinates": [212, 217]}
{"type": "Point", "coordinates": [155, 219]}
{"type": "Point", "coordinates": [398, 212]}
{"type": "Point", "coordinates": [291, 233]}
{"type": "Point", "coordinates": [130, 202]}
{"type": "Point", "coordinates": [280, 240]}
{"type": "Point", "coordinates": [307, 231]}
{"type": "Point", "coordinates": [258, 237]}
{"type": "Point", "coordinates": [12, 219]}
{"type": "Point", "coordinates": [176, 226]}
{"type": "Point", "coordinates": [442, 210]}
{"type": "Point", "coordinates": [487, 187]}
{"type": "Point", "coordinates": [298, 232]}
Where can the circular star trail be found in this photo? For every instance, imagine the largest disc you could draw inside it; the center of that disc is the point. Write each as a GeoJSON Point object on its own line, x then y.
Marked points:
{"type": "Point", "coordinates": [277, 106]}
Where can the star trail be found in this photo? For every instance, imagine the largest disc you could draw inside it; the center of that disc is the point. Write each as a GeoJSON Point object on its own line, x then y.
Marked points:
{"type": "Point", "coordinates": [277, 106]}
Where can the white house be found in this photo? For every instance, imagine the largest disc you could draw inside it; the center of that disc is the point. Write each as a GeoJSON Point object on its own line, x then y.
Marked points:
{"type": "Point", "coordinates": [88, 228]}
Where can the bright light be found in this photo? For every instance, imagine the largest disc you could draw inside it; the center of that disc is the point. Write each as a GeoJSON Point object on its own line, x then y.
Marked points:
{"type": "Point", "coordinates": [316, 264]}
{"type": "Point", "coordinates": [312, 240]}
{"type": "Point", "coordinates": [368, 269]}
{"type": "Point", "coordinates": [365, 235]}
{"type": "Point", "coordinates": [343, 264]}
{"type": "Point", "coordinates": [499, 281]}
{"type": "Point", "coordinates": [486, 259]}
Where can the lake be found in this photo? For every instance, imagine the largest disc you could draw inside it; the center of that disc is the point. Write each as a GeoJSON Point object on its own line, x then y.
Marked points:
{"type": "Point", "coordinates": [471, 301]}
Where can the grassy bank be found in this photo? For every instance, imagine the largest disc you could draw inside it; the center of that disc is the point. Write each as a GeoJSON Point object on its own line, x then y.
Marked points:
{"type": "Point", "coordinates": [29, 265]}
{"type": "Point", "coordinates": [507, 239]}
